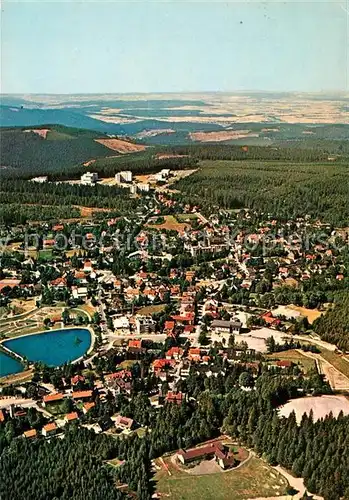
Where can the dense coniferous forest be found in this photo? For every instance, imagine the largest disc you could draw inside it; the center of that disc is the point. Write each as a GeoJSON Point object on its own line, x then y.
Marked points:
{"type": "Point", "coordinates": [28, 151]}
{"type": "Point", "coordinates": [252, 153]}
{"type": "Point", "coordinates": [283, 189]}
{"type": "Point", "coordinates": [73, 467]}
{"type": "Point", "coordinates": [65, 194]}
{"type": "Point", "coordinates": [62, 154]}
{"type": "Point", "coordinates": [13, 213]}
{"type": "Point", "coordinates": [334, 325]}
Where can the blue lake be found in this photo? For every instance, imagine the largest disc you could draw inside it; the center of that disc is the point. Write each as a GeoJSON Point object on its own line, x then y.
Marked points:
{"type": "Point", "coordinates": [54, 347]}
{"type": "Point", "coordinates": [9, 365]}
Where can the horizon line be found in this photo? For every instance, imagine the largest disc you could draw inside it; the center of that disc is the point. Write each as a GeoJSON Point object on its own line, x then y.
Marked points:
{"type": "Point", "coordinates": [333, 91]}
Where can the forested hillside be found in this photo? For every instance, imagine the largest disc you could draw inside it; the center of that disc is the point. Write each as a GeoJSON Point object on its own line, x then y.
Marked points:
{"type": "Point", "coordinates": [75, 467]}
{"type": "Point", "coordinates": [284, 189]}
{"type": "Point", "coordinates": [334, 325]}
{"type": "Point", "coordinates": [66, 194]}
{"type": "Point", "coordinates": [62, 148]}
{"type": "Point", "coordinates": [286, 182]}
{"type": "Point", "coordinates": [71, 468]}
{"type": "Point", "coordinates": [62, 154]}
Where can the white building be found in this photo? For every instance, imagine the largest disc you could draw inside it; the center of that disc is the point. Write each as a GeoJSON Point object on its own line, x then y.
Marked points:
{"type": "Point", "coordinates": [143, 187]}
{"type": "Point", "coordinates": [163, 174]}
{"type": "Point", "coordinates": [125, 176]}
{"type": "Point", "coordinates": [89, 178]}
{"type": "Point", "coordinates": [122, 322]}
{"type": "Point", "coordinates": [145, 324]}
{"type": "Point", "coordinates": [80, 292]}
{"type": "Point", "coordinates": [41, 179]}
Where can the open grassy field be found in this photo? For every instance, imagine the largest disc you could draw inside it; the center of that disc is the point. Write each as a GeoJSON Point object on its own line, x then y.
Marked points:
{"type": "Point", "coordinates": [56, 408]}
{"type": "Point", "coordinates": [337, 360]}
{"type": "Point", "coordinates": [253, 479]}
{"type": "Point", "coordinates": [303, 362]}
{"type": "Point", "coordinates": [151, 309]}
{"type": "Point", "coordinates": [17, 307]}
{"type": "Point", "coordinates": [170, 224]}
{"type": "Point", "coordinates": [185, 217]}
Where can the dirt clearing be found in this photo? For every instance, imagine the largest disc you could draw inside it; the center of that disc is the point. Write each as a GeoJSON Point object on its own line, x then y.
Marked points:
{"type": "Point", "coordinates": [121, 146]}
{"type": "Point", "coordinates": [224, 135]}
{"type": "Point", "coordinates": [320, 405]}
{"type": "Point", "coordinates": [311, 314]}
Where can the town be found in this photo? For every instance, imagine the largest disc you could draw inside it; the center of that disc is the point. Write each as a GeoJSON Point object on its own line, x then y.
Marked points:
{"type": "Point", "coordinates": [146, 311]}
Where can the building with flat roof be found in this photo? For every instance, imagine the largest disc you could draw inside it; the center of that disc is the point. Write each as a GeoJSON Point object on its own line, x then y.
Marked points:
{"type": "Point", "coordinates": [89, 178]}
{"type": "Point", "coordinates": [221, 326]}
{"type": "Point", "coordinates": [41, 179]}
{"type": "Point", "coordinates": [145, 324]}
{"type": "Point", "coordinates": [124, 176]}
{"type": "Point", "coordinates": [143, 187]}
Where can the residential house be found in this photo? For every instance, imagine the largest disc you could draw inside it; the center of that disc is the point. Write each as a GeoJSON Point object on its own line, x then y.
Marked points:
{"type": "Point", "coordinates": [87, 407]}
{"type": "Point", "coordinates": [49, 429]}
{"type": "Point", "coordinates": [71, 417]}
{"type": "Point", "coordinates": [30, 434]}
{"type": "Point", "coordinates": [216, 450]}
{"type": "Point", "coordinates": [124, 423]}
{"type": "Point", "coordinates": [81, 395]}
{"type": "Point", "coordinates": [52, 398]}
{"type": "Point", "coordinates": [174, 397]}
{"type": "Point", "coordinates": [229, 327]}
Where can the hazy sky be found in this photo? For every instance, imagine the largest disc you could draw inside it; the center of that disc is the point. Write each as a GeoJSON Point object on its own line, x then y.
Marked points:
{"type": "Point", "coordinates": [77, 47]}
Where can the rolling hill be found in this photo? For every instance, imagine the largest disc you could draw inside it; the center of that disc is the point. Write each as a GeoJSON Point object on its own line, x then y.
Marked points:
{"type": "Point", "coordinates": [48, 149]}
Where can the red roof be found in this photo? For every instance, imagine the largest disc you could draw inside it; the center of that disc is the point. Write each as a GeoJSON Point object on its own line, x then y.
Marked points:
{"type": "Point", "coordinates": [50, 427]}
{"type": "Point", "coordinates": [59, 281]}
{"type": "Point", "coordinates": [174, 397]}
{"type": "Point", "coordinates": [216, 449]}
{"type": "Point", "coordinates": [120, 374]}
{"type": "Point", "coordinates": [30, 433]}
{"type": "Point", "coordinates": [82, 394]}
{"type": "Point", "coordinates": [71, 416]}
{"type": "Point", "coordinates": [169, 325]}
{"type": "Point", "coordinates": [174, 351]}
{"type": "Point", "coordinates": [194, 351]}
{"type": "Point", "coordinates": [53, 397]}
{"type": "Point", "coordinates": [284, 363]}
{"type": "Point", "coordinates": [135, 343]}
{"type": "Point", "coordinates": [77, 378]}
{"type": "Point", "coordinates": [88, 406]}
{"type": "Point", "coordinates": [161, 363]}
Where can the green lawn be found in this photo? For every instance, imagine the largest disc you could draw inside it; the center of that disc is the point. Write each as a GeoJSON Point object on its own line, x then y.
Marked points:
{"type": "Point", "coordinates": [304, 363]}
{"type": "Point", "coordinates": [185, 217]}
{"type": "Point", "coordinates": [336, 360]}
{"type": "Point", "coordinates": [254, 479]}
{"type": "Point", "coordinates": [151, 309]}
{"type": "Point", "coordinates": [45, 254]}
{"type": "Point", "coordinates": [56, 408]}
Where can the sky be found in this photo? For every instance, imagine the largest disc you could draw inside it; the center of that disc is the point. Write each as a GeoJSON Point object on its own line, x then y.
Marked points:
{"type": "Point", "coordinates": [178, 46]}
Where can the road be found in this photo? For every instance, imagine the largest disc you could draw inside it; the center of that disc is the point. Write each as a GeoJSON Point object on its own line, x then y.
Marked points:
{"type": "Point", "coordinates": [335, 378]}
{"type": "Point", "coordinates": [23, 403]}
